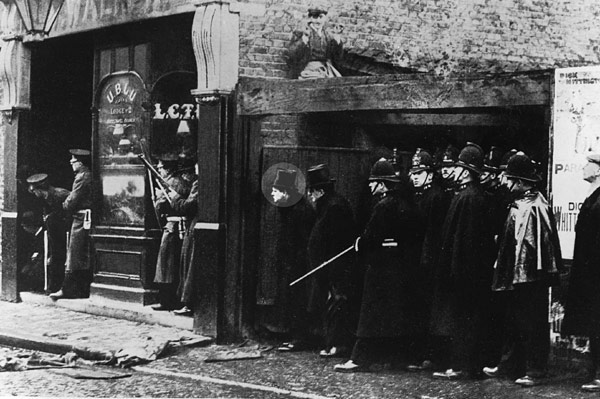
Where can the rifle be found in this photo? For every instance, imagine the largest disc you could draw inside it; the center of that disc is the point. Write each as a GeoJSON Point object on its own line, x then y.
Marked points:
{"type": "Point", "coordinates": [151, 182]}
{"type": "Point", "coordinates": [163, 185]}
{"type": "Point", "coordinates": [322, 265]}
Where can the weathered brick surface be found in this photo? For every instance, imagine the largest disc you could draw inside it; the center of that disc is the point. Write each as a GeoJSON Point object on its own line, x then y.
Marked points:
{"type": "Point", "coordinates": [452, 36]}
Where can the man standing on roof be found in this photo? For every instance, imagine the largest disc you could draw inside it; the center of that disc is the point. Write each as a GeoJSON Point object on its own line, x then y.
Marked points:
{"type": "Point", "coordinates": [314, 52]}
{"type": "Point", "coordinates": [78, 273]}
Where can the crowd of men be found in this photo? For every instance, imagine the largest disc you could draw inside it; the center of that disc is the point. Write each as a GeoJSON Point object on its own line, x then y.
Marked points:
{"type": "Point", "coordinates": [450, 273]}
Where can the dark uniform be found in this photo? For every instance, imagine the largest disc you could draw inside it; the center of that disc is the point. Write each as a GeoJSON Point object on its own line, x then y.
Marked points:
{"type": "Point", "coordinates": [169, 253]}
{"type": "Point", "coordinates": [389, 312]}
{"type": "Point", "coordinates": [188, 273]}
{"type": "Point", "coordinates": [78, 273]}
{"type": "Point", "coordinates": [529, 260]}
{"type": "Point", "coordinates": [465, 269]}
{"type": "Point", "coordinates": [432, 202]}
{"type": "Point", "coordinates": [56, 222]}
{"type": "Point", "coordinates": [331, 290]}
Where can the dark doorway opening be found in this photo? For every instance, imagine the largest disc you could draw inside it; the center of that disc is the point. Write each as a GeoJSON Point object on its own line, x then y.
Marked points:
{"type": "Point", "coordinates": [60, 119]}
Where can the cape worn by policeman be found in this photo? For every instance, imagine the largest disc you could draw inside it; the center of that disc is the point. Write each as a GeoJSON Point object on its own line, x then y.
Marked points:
{"type": "Point", "coordinates": [78, 274]}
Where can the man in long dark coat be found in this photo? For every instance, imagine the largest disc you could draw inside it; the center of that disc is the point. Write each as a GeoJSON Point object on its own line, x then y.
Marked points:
{"type": "Point", "coordinates": [529, 260]}
{"type": "Point", "coordinates": [390, 244]}
{"type": "Point", "coordinates": [166, 274]}
{"type": "Point", "coordinates": [582, 308]}
{"type": "Point", "coordinates": [331, 290]}
{"type": "Point", "coordinates": [78, 273]}
{"type": "Point", "coordinates": [465, 268]}
{"type": "Point", "coordinates": [187, 290]}
{"type": "Point", "coordinates": [286, 316]}
{"type": "Point", "coordinates": [56, 221]}
{"type": "Point", "coordinates": [432, 202]}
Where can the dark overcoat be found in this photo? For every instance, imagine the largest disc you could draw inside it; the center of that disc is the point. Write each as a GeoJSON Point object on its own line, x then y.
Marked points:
{"type": "Point", "coordinates": [433, 204]}
{"type": "Point", "coordinates": [390, 305]}
{"type": "Point", "coordinates": [188, 272]}
{"type": "Point", "coordinates": [464, 273]}
{"type": "Point", "coordinates": [333, 231]}
{"type": "Point", "coordinates": [288, 311]}
{"type": "Point", "coordinates": [582, 308]}
{"type": "Point", "coordinates": [79, 198]}
{"type": "Point", "coordinates": [57, 225]}
{"type": "Point", "coordinates": [169, 253]}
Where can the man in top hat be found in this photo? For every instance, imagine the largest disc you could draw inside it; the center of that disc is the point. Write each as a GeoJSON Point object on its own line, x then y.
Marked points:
{"type": "Point", "coordinates": [78, 273]}
{"type": "Point", "coordinates": [286, 317]}
{"type": "Point", "coordinates": [465, 268]}
{"type": "Point", "coordinates": [582, 308]}
{"type": "Point", "coordinates": [330, 295]}
{"type": "Point", "coordinates": [313, 52]}
{"type": "Point", "coordinates": [56, 222]}
{"type": "Point", "coordinates": [284, 191]}
{"type": "Point", "coordinates": [528, 261]}
{"type": "Point", "coordinates": [433, 204]}
{"type": "Point", "coordinates": [390, 245]}
{"type": "Point", "coordinates": [167, 270]}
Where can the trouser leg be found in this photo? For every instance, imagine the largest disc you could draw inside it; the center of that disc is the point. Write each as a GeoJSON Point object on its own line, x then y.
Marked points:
{"type": "Point", "coordinates": [531, 316]}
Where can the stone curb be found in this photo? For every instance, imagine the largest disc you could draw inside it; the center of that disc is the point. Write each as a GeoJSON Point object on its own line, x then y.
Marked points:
{"type": "Point", "coordinates": [37, 343]}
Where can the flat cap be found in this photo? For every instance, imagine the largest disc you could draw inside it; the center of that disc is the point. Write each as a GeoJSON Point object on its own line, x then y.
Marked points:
{"type": "Point", "coordinates": [38, 178]}
{"type": "Point", "coordinates": [595, 158]}
{"type": "Point", "coordinates": [78, 152]}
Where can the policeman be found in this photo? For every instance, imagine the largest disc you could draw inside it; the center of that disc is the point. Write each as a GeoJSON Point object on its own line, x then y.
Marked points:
{"type": "Point", "coordinates": [528, 261]}
{"type": "Point", "coordinates": [167, 265]}
{"type": "Point", "coordinates": [78, 273]}
{"type": "Point", "coordinates": [433, 204]}
{"type": "Point", "coordinates": [390, 244]}
{"type": "Point", "coordinates": [446, 167]}
{"type": "Point", "coordinates": [465, 266]}
{"type": "Point", "coordinates": [56, 222]}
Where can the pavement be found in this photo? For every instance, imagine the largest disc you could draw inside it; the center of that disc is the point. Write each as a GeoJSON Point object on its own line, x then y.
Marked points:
{"type": "Point", "coordinates": [94, 329]}
{"type": "Point", "coordinates": [58, 327]}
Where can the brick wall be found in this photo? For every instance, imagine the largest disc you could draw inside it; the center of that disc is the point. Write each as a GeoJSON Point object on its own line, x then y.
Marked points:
{"type": "Point", "coordinates": [442, 36]}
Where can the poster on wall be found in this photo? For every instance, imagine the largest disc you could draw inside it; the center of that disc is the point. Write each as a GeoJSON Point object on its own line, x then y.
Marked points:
{"type": "Point", "coordinates": [576, 134]}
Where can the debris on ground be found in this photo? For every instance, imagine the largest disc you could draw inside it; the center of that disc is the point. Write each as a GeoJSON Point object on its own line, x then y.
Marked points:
{"type": "Point", "coordinates": [223, 354]}
{"type": "Point", "coordinates": [21, 360]}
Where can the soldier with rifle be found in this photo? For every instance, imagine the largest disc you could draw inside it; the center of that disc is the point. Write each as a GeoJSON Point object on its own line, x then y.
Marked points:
{"type": "Point", "coordinates": [56, 223]}
{"type": "Point", "coordinates": [167, 264]}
